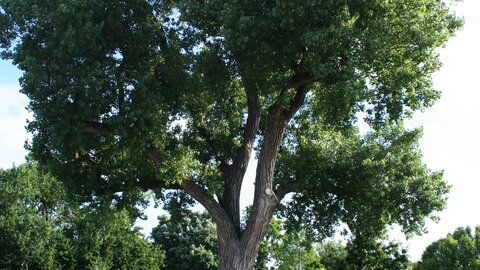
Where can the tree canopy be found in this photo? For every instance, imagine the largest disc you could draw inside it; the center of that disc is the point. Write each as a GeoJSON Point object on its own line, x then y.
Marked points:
{"type": "Point", "coordinates": [136, 95]}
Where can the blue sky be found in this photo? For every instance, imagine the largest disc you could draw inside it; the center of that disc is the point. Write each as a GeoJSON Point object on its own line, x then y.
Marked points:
{"type": "Point", "coordinates": [450, 141]}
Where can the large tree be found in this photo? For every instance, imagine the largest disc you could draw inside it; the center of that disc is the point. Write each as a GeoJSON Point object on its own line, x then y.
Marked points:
{"type": "Point", "coordinates": [138, 95]}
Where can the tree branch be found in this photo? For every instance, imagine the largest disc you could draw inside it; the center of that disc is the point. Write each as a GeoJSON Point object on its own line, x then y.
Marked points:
{"type": "Point", "coordinates": [97, 128]}
{"type": "Point", "coordinates": [197, 192]}
{"type": "Point", "coordinates": [155, 155]}
{"type": "Point", "coordinates": [291, 187]}
{"type": "Point", "coordinates": [300, 79]}
{"type": "Point", "coordinates": [296, 102]}
{"type": "Point", "coordinates": [221, 218]}
{"type": "Point", "coordinates": [242, 158]}
{"type": "Point", "coordinates": [233, 179]}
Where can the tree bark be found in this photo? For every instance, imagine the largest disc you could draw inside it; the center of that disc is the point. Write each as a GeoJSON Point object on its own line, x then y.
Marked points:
{"type": "Point", "coordinates": [230, 200]}
{"type": "Point", "coordinates": [239, 253]}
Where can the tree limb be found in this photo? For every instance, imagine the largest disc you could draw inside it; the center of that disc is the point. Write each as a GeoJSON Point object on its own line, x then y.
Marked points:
{"type": "Point", "coordinates": [157, 157]}
{"type": "Point", "coordinates": [233, 179]}
{"type": "Point", "coordinates": [291, 187]}
{"type": "Point", "coordinates": [296, 102]}
{"type": "Point", "coordinates": [97, 128]}
{"type": "Point", "coordinates": [300, 79]}
{"type": "Point", "coordinates": [242, 158]}
{"type": "Point", "coordinates": [219, 215]}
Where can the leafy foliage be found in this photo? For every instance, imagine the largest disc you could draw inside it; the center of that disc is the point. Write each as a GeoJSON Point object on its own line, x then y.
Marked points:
{"type": "Point", "coordinates": [367, 182]}
{"type": "Point", "coordinates": [460, 250]}
{"type": "Point", "coordinates": [140, 65]}
{"type": "Point", "coordinates": [41, 230]}
{"type": "Point", "coordinates": [189, 241]}
{"type": "Point", "coordinates": [104, 240]}
{"type": "Point", "coordinates": [293, 250]}
{"type": "Point", "coordinates": [29, 208]}
{"type": "Point", "coordinates": [376, 255]}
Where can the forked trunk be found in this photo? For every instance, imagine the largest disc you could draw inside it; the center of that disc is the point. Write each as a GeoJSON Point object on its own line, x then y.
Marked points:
{"type": "Point", "coordinates": [239, 253]}
{"type": "Point", "coordinates": [233, 255]}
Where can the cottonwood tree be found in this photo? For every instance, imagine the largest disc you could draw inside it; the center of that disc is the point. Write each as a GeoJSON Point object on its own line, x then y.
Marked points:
{"type": "Point", "coordinates": [135, 95]}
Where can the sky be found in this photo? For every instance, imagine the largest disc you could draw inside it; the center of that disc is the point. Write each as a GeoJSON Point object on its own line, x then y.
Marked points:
{"type": "Point", "coordinates": [451, 140]}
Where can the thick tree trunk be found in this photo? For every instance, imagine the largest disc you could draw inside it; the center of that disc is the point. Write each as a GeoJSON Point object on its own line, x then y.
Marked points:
{"type": "Point", "coordinates": [240, 254]}
{"type": "Point", "coordinates": [231, 257]}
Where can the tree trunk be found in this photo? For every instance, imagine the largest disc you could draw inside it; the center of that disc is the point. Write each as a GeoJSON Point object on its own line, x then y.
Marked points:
{"type": "Point", "coordinates": [237, 249]}
{"type": "Point", "coordinates": [240, 254]}
{"type": "Point", "coordinates": [231, 257]}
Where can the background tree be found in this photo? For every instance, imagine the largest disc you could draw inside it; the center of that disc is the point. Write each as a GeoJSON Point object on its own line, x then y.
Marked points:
{"type": "Point", "coordinates": [104, 239]}
{"type": "Point", "coordinates": [333, 255]}
{"type": "Point", "coordinates": [41, 230]}
{"type": "Point", "coordinates": [189, 242]}
{"type": "Point", "coordinates": [296, 252]}
{"type": "Point", "coordinates": [150, 95]}
{"type": "Point", "coordinates": [375, 254]}
{"type": "Point", "coordinates": [460, 250]}
{"type": "Point", "coordinates": [29, 207]}
{"type": "Point", "coordinates": [293, 250]}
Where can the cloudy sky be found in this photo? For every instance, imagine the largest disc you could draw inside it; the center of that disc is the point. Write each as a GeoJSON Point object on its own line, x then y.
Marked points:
{"type": "Point", "coordinates": [451, 139]}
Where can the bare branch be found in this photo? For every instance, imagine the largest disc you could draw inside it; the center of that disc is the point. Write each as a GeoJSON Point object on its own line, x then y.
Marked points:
{"type": "Point", "coordinates": [197, 192]}
{"type": "Point", "coordinates": [213, 207]}
{"type": "Point", "coordinates": [155, 155]}
{"type": "Point", "coordinates": [300, 79]}
{"type": "Point", "coordinates": [158, 185]}
{"type": "Point", "coordinates": [233, 179]}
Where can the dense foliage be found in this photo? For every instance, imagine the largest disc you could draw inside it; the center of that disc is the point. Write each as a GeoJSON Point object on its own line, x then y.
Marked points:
{"type": "Point", "coordinates": [30, 205]}
{"type": "Point", "coordinates": [41, 230]}
{"type": "Point", "coordinates": [294, 250]}
{"type": "Point", "coordinates": [137, 95]}
{"type": "Point", "coordinates": [189, 241]}
{"type": "Point", "coordinates": [459, 250]}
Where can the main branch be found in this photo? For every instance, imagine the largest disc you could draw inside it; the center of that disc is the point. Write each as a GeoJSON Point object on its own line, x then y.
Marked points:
{"type": "Point", "coordinates": [233, 179]}
{"type": "Point", "coordinates": [265, 200]}
{"type": "Point", "coordinates": [219, 215]}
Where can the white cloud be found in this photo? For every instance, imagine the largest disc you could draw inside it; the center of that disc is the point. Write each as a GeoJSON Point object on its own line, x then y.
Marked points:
{"type": "Point", "coordinates": [13, 117]}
